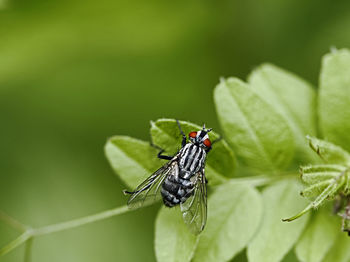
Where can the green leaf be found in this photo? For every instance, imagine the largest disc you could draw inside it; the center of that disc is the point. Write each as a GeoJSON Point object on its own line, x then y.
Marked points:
{"type": "Point", "coordinates": [173, 241]}
{"type": "Point", "coordinates": [334, 98]}
{"type": "Point", "coordinates": [259, 135]}
{"type": "Point", "coordinates": [290, 257]}
{"type": "Point", "coordinates": [324, 190]}
{"type": "Point", "coordinates": [221, 161]}
{"type": "Point", "coordinates": [347, 184]}
{"type": "Point", "coordinates": [316, 189]}
{"type": "Point", "coordinates": [328, 193]}
{"type": "Point", "coordinates": [293, 98]}
{"type": "Point", "coordinates": [313, 178]}
{"type": "Point", "coordinates": [340, 252]}
{"type": "Point", "coordinates": [318, 237]}
{"type": "Point", "coordinates": [275, 238]}
{"type": "Point", "coordinates": [317, 173]}
{"type": "Point", "coordinates": [329, 152]}
{"type": "Point", "coordinates": [133, 160]}
{"type": "Point", "coordinates": [234, 213]}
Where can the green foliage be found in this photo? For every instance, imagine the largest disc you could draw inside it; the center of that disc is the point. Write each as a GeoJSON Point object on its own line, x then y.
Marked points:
{"type": "Point", "coordinates": [275, 238]}
{"type": "Point", "coordinates": [325, 182]}
{"type": "Point", "coordinates": [340, 251]}
{"type": "Point", "coordinates": [329, 152]}
{"type": "Point", "coordinates": [283, 91]}
{"type": "Point", "coordinates": [263, 122]}
{"type": "Point", "coordinates": [259, 135]}
{"type": "Point", "coordinates": [315, 243]}
{"type": "Point", "coordinates": [334, 98]}
{"type": "Point", "coordinates": [234, 216]}
{"type": "Point", "coordinates": [221, 161]}
{"type": "Point", "coordinates": [131, 159]}
{"type": "Point", "coordinates": [318, 173]}
{"type": "Point", "coordinates": [318, 177]}
{"type": "Point", "coordinates": [172, 240]}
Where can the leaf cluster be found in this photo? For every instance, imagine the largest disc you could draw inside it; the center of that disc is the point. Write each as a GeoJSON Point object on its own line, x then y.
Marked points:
{"type": "Point", "coordinates": [264, 123]}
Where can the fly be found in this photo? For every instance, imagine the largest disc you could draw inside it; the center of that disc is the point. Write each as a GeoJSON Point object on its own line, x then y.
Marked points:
{"type": "Point", "coordinates": [181, 181]}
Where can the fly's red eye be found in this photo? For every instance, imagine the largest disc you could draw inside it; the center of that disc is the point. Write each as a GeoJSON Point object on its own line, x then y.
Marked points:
{"type": "Point", "coordinates": [207, 142]}
{"type": "Point", "coordinates": [192, 134]}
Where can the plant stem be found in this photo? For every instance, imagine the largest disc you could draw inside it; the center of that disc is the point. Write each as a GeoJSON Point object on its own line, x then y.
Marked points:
{"type": "Point", "coordinates": [80, 221]}
{"type": "Point", "coordinates": [13, 222]}
{"type": "Point", "coordinates": [17, 242]}
{"type": "Point", "coordinates": [30, 233]}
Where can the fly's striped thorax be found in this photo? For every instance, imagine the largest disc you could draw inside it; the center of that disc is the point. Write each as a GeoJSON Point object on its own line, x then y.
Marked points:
{"type": "Point", "coordinates": [191, 159]}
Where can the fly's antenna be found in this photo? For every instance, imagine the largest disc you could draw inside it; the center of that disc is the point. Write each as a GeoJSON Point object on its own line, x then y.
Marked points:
{"type": "Point", "coordinates": [206, 130]}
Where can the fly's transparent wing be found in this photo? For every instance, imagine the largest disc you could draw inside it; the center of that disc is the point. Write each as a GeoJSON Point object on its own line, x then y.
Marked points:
{"type": "Point", "coordinates": [148, 191]}
{"type": "Point", "coordinates": [194, 210]}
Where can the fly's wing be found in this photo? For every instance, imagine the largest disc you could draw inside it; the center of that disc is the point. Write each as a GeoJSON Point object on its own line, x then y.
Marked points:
{"type": "Point", "coordinates": [194, 210]}
{"type": "Point", "coordinates": [148, 191]}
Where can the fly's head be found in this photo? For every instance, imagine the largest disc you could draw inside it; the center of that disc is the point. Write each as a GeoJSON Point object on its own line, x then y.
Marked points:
{"type": "Point", "coordinates": [201, 138]}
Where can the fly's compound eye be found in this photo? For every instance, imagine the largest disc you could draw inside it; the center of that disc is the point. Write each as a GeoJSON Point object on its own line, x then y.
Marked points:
{"type": "Point", "coordinates": [192, 134]}
{"type": "Point", "coordinates": [207, 142]}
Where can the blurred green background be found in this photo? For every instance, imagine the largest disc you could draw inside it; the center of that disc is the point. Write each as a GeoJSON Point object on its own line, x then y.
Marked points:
{"type": "Point", "coordinates": [73, 73]}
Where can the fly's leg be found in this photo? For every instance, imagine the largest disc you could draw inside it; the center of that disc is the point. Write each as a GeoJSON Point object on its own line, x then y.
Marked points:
{"type": "Point", "coordinates": [160, 155]}
{"type": "Point", "coordinates": [126, 192]}
{"type": "Point", "coordinates": [182, 133]}
{"type": "Point", "coordinates": [205, 178]}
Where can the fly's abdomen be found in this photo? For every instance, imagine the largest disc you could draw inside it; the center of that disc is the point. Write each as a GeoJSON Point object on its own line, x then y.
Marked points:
{"type": "Point", "coordinates": [176, 190]}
